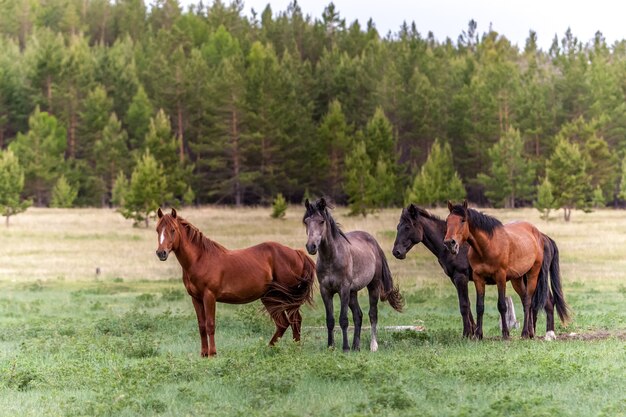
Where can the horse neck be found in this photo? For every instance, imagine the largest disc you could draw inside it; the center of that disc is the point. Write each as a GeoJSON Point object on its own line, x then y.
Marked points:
{"type": "Point", "coordinates": [331, 247]}
{"type": "Point", "coordinates": [434, 233]}
{"type": "Point", "coordinates": [479, 241]}
{"type": "Point", "coordinates": [188, 251]}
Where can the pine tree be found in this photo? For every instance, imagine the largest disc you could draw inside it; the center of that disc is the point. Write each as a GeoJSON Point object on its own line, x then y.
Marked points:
{"type": "Point", "coordinates": [11, 186]}
{"type": "Point", "coordinates": [437, 181]}
{"type": "Point", "coordinates": [333, 138]}
{"type": "Point", "coordinates": [510, 176]}
{"type": "Point", "coordinates": [146, 192]}
{"type": "Point", "coordinates": [63, 194]}
{"type": "Point", "coordinates": [138, 118]}
{"type": "Point", "coordinates": [545, 199]}
{"type": "Point", "coordinates": [567, 173]}
{"type": "Point", "coordinates": [359, 183]}
{"type": "Point", "coordinates": [41, 153]}
{"type": "Point", "coordinates": [163, 145]}
{"type": "Point", "coordinates": [113, 155]}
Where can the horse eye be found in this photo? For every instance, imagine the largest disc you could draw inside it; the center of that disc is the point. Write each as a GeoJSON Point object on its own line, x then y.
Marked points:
{"type": "Point", "coordinates": [321, 221]}
{"type": "Point", "coordinates": [407, 227]}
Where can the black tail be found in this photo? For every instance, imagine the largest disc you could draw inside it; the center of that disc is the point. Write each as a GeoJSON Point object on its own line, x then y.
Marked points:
{"type": "Point", "coordinates": [280, 298]}
{"type": "Point", "coordinates": [541, 291]}
{"type": "Point", "coordinates": [389, 293]}
{"type": "Point", "coordinates": [555, 281]}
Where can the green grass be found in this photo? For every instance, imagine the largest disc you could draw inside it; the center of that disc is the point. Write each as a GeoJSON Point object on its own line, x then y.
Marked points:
{"type": "Point", "coordinates": [128, 345]}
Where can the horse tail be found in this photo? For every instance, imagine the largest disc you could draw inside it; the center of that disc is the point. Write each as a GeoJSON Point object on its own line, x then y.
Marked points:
{"type": "Point", "coordinates": [281, 298]}
{"type": "Point", "coordinates": [555, 281]}
{"type": "Point", "coordinates": [389, 293]}
{"type": "Point", "coordinates": [540, 296]}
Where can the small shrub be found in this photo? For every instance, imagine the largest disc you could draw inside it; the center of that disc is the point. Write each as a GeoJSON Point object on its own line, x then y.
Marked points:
{"type": "Point", "coordinates": [172, 294]}
{"type": "Point", "coordinates": [279, 207]}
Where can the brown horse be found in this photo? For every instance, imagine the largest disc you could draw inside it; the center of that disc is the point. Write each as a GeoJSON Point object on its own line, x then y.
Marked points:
{"type": "Point", "coordinates": [280, 276]}
{"type": "Point", "coordinates": [500, 252]}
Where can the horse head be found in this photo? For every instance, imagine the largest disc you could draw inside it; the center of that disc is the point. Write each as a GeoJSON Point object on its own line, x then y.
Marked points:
{"type": "Point", "coordinates": [457, 227]}
{"type": "Point", "coordinates": [168, 234]}
{"type": "Point", "coordinates": [409, 232]}
{"type": "Point", "coordinates": [315, 221]}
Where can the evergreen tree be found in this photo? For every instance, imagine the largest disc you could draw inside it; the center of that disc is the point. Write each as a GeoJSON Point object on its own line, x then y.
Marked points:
{"type": "Point", "coordinates": [567, 173]}
{"type": "Point", "coordinates": [163, 145]}
{"type": "Point", "coordinates": [113, 155]}
{"type": "Point", "coordinates": [40, 152]}
{"type": "Point", "coordinates": [147, 190]}
{"type": "Point", "coordinates": [510, 175]}
{"type": "Point", "coordinates": [359, 184]}
{"type": "Point", "coordinates": [437, 181]}
{"type": "Point", "coordinates": [545, 199]}
{"type": "Point", "coordinates": [11, 186]}
{"type": "Point", "coordinates": [138, 118]}
{"type": "Point", "coordinates": [63, 194]}
{"type": "Point", "coordinates": [333, 138]}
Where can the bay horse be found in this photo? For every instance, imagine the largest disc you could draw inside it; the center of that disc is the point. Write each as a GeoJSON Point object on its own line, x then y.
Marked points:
{"type": "Point", "coordinates": [347, 263]}
{"type": "Point", "coordinates": [280, 276]}
{"type": "Point", "coordinates": [418, 225]}
{"type": "Point", "coordinates": [514, 252]}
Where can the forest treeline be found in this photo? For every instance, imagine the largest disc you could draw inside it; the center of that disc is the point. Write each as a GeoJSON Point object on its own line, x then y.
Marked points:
{"type": "Point", "coordinates": [235, 110]}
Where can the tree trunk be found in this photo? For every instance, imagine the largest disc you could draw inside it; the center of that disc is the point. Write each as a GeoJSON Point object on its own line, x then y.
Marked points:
{"type": "Point", "coordinates": [236, 156]}
{"type": "Point", "coordinates": [180, 132]}
{"type": "Point", "coordinates": [567, 212]}
{"type": "Point", "coordinates": [7, 221]}
{"type": "Point", "coordinates": [49, 92]}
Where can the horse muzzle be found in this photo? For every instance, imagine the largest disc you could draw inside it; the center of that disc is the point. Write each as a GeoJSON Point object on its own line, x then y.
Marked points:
{"type": "Point", "coordinates": [162, 254]}
{"type": "Point", "coordinates": [398, 253]}
{"type": "Point", "coordinates": [311, 248]}
{"type": "Point", "coordinates": [452, 245]}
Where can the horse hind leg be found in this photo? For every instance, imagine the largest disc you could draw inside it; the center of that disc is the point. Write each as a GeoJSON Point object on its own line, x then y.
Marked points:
{"type": "Point", "coordinates": [295, 321]}
{"type": "Point", "coordinates": [374, 295]}
{"type": "Point", "coordinates": [549, 307]}
{"type": "Point", "coordinates": [280, 320]}
{"type": "Point", "coordinates": [357, 317]}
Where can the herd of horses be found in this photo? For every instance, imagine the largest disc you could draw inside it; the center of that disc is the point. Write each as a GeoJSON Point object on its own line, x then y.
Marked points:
{"type": "Point", "coordinates": [469, 245]}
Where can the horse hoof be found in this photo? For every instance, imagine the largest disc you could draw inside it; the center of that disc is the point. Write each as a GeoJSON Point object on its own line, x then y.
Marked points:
{"type": "Point", "coordinates": [373, 346]}
{"type": "Point", "coordinates": [550, 335]}
{"type": "Point", "coordinates": [204, 353]}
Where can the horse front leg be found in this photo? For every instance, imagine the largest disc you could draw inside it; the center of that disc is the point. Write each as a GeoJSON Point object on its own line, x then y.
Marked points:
{"type": "Point", "coordinates": [344, 297]}
{"type": "Point", "coordinates": [199, 307]}
{"type": "Point", "coordinates": [209, 311]}
{"type": "Point", "coordinates": [501, 284]}
{"type": "Point", "coordinates": [357, 317]}
{"type": "Point", "coordinates": [479, 283]}
{"type": "Point", "coordinates": [327, 298]}
{"type": "Point", "coordinates": [460, 282]}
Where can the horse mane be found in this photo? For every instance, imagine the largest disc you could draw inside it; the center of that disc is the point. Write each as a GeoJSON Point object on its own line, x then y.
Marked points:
{"type": "Point", "coordinates": [422, 212]}
{"type": "Point", "coordinates": [335, 227]}
{"type": "Point", "coordinates": [194, 234]}
{"type": "Point", "coordinates": [478, 220]}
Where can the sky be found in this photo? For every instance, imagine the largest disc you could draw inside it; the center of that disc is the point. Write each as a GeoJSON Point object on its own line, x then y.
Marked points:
{"type": "Point", "coordinates": [448, 18]}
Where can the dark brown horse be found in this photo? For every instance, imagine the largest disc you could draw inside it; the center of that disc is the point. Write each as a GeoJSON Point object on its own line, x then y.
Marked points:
{"type": "Point", "coordinates": [280, 276]}
{"type": "Point", "coordinates": [514, 252]}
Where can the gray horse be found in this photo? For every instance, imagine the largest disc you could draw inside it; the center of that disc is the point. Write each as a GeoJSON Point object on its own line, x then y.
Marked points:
{"type": "Point", "coordinates": [346, 263]}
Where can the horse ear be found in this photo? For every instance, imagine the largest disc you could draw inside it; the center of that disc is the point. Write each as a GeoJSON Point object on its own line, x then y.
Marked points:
{"type": "Point", "coordinates": [307, 204]}
{"type": "Point", "coordinates": [322, 204]}
{"type": "Point", "coordinates": [160, 212]}
{"type": "Point", "coordinates": [450, 205]}
{"type": "Point", "coordinates": [465, 204]}
{"type": "Point", "coordinates": [173, 213]}
{"type": "Point", "coordinates": [413, 211]}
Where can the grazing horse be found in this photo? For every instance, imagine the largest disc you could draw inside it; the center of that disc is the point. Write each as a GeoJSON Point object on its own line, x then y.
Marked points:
{"type": "Point", "coordinates": [280, 276]}
{"type": "Point", "coordinates": [418, 225]}
{"type": "Point", "coordinates": [514, 252]}
{"type": "Point", "coordinates": [346, 263]}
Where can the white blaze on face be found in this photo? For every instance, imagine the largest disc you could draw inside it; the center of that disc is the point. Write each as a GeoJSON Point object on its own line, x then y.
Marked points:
{"type": "Point", "coordinates": [162, 237]}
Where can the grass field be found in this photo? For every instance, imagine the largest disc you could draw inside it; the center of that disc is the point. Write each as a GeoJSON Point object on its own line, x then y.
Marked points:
{"type": "Point", "coordinates": [125, 342]}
